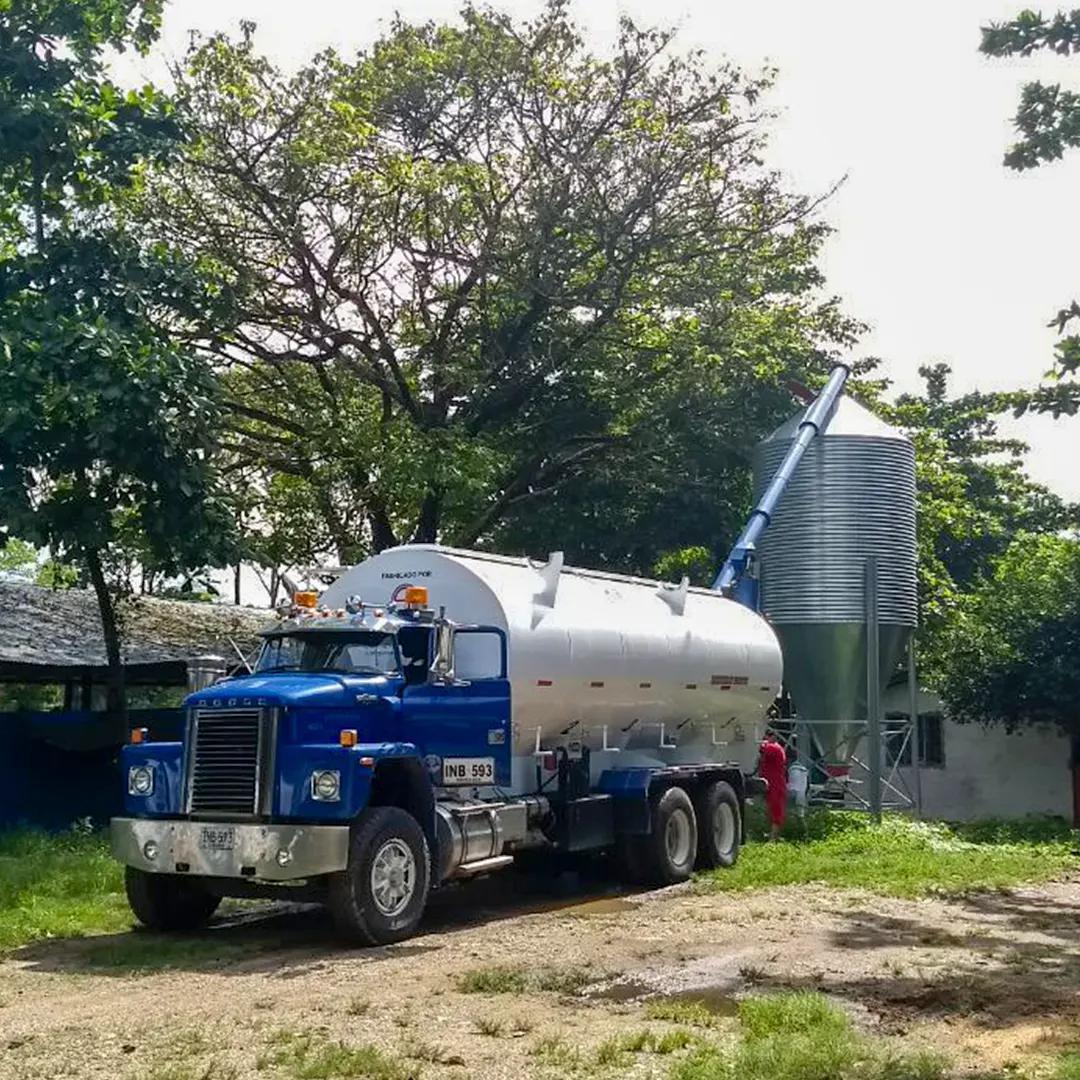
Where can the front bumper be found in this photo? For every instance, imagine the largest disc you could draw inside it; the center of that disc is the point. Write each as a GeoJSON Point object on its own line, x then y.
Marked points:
{"type": "Point", "coordinates": [226, 850]}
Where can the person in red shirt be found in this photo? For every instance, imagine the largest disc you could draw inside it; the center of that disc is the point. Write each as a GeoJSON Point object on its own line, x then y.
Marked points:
{"type": "Point", "coordinates": [772, 768]}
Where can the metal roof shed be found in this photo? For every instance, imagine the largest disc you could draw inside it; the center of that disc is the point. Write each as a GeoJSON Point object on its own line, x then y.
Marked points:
{"type": "Point", "coordinates": [55, 636]}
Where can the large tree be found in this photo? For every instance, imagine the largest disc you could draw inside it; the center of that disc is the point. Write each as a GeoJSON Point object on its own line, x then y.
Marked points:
{"type": "Point", "coordinates": [1048, 124]}
{"type": "Point", "coordinates": [974, 492]}
{"type": "Point", "coordinates": [479, 267]}
{"type": "Point", "coordinates": [1012, 655]}
{"type": "Point", "coordinates": [106, 422]}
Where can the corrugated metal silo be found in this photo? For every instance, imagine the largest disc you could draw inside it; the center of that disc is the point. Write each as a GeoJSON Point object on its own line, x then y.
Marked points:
{"type": "Point", "coordinates": [852, 496]}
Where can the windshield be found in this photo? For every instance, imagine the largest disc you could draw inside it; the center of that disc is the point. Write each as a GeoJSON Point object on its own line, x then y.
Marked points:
{"type": "Point", "coordinates": [349, 653]}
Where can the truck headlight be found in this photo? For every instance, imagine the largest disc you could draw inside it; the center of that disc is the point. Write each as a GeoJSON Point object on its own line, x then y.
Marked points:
{"type": "Point", "coordinates": [326, 785]}
{"type": "Point", "coordinates": [140, 780]}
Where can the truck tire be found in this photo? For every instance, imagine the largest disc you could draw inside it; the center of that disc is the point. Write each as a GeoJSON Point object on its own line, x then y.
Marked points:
{"type": "Point", "coordinates": [719, 826]}
{"type": "Point", "coordinates": [670, 849]}
{"type": "Point", "coordinates": [381, 896]}
{"type": "Point", "coordinates": [167, 902]}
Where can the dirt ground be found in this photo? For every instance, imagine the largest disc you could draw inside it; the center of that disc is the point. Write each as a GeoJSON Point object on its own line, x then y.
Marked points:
{"type": "Point", "coordinates": [990, 979]}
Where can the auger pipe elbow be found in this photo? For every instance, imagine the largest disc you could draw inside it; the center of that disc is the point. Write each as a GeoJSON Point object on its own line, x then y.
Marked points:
{"type": "Point", "coordinates": [741, 554]}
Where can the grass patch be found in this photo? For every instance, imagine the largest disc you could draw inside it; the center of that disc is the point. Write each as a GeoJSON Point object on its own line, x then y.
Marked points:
{"type": "Point", "coordinates": [801, 1036]}
{"type": "Point", "coordinates": [65, 885]}
{"type": "Point", "coordinates": [692, 1013]}
{"type": "Point", "coordinates": [522, 980]}
{"type": "Point", "coordinates": [802, 1014]}
{"type": "Point", "coordinates": [172, 1070]}
{"type": "Point", "coordinates": [1067, 1067]}
{"type": "Point", "coordinates": [494, 980]}
{"type": "Point", "coordinates": [901, 856]}
{"type": "Point", "coordinates": [672, 1041]}
{"type": "Point", "coordinates": [419, 1050]}
{"type": "Point", "coordinates": [618, 1051]}
{"type": "Point", "coordinates": [556, 1053]}
{"type": "Point", "coordinates": [303, 1057]}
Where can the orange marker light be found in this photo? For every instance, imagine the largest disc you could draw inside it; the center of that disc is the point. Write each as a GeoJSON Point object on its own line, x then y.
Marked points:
{"type": "Point", "coordinates": [347, 738]}
{"type": "Point", "coordinates": [416, 596]}
{"type": "Point", "coordinates": [138, 736]}
{"type": "Point", "coordinates": [369, 761]}
{"type": "Point", "coordinates": [306, 599]}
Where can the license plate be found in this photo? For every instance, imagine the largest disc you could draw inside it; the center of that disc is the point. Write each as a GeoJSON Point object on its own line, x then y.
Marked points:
{"type": "Point", "coordinates": [217, 839]}
{"type": "Point", "coordinates": [468, 770]}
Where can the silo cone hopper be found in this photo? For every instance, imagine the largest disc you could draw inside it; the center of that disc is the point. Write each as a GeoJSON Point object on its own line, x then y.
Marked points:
{"type": "Point", "coordinates": [852, 496]}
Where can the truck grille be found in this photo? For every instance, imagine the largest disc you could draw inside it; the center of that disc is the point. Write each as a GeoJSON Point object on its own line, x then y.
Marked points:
{"type": "Point", "coordinates": [226, 750]}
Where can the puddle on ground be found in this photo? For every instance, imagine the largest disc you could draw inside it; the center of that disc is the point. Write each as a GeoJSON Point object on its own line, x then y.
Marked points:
{"type": "Point", "coordinates": [716, 1002]}
{"type": "Point", "coordinates": [714, 983]}
{"type": "Point", "coordinates": [619, 993]}
{"type": "Point", "coordinates": [609, 906]}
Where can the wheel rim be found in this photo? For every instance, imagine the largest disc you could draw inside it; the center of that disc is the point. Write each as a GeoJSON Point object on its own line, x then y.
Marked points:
{"type": "Point", "coordinates": [677, 838]}
{"type": "Point", "coordinates": [393, 877]}
{"type": "Point", "coordinates": [724, 829]}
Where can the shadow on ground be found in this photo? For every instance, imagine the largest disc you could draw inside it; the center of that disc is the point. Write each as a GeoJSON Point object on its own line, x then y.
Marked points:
{"type": "Point", "coordinates": [291, 940]}
{"type": "Point", "coordinates": [1008, 958]}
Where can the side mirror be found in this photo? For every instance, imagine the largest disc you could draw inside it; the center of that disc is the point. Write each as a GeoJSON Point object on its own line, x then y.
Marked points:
{"type": "Point", "coordinates": [442, 663]}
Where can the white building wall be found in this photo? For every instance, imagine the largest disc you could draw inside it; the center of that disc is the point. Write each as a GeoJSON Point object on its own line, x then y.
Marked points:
{"type": "Point", "coordinates": [989, 773]}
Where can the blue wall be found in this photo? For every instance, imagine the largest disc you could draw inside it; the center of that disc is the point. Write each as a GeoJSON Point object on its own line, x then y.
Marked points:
{"type": "Point", "coordinates": [60, 767]}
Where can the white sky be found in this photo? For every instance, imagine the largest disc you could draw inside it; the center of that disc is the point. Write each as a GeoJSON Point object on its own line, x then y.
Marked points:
{"type": "Point", "coordinates": [948, 255]}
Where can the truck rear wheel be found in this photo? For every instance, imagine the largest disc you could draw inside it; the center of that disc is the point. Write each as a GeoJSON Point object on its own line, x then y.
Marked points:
{"type": "Point", "coordinates": [670, 849]}
{"type": "Point", "coordinates": [381, 896]}
{"type": "Point", "coordinates": [167, 902]}
{"type": "Point", "coordinates": [719, 826]}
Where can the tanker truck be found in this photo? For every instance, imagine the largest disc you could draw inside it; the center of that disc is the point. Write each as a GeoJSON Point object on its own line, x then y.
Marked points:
{"type": "Point", "coordinates": [437, 714]}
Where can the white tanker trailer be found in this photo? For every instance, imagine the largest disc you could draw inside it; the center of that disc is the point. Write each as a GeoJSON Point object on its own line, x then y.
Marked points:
{"type": "Point", "coordinates": [618, 665]}
{"type": "Point", "coordinates": [438, 713]}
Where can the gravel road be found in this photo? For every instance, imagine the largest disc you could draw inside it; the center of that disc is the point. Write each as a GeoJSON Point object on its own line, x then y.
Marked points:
{"type": "Point", "coordinates": [989, 978]}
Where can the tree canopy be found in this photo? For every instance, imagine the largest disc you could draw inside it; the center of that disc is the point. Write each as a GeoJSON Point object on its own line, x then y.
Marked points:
{"type": "Point", "coordinates": [1012, 654]}
{"type": "Point", "coordinates": [106, 417]}
{"type": "Point", "coordinates": [1048, 124]}
{"type": "Point", "coordinates": [974, 492]}
{"type": "Point", "coordinates": [495, 289]}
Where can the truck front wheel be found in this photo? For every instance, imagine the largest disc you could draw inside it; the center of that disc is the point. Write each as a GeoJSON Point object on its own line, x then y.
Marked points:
{"type": "Point", "coordinates": [167, 902]}
{"type": "Point", "coordinates": [380, 897]}
{"type": "Point", "coordinates": [672, 843]}
{"type": "Point", "coordinates": [719, 826]}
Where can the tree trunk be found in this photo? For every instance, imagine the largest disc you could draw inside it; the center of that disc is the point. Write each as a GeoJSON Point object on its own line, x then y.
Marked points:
{"type": "Point", "coordinates": [114, 686]}
{"type": "Point", "coordinates": [427, 527]}
{"type": "Point", "coordinates": [237, 591]}
{"type": "Point", "coordinates": [382, 529]}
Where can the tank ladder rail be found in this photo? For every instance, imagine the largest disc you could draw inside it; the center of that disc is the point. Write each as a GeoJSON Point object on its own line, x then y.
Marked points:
{"type": "Point", "coordinates": [733, 579]}
{"type": "Point", "coordinates": [606, 747]}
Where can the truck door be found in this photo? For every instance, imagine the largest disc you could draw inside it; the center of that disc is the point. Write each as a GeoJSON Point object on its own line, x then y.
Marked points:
{"type": "Point", "coordinates": [462, 725]}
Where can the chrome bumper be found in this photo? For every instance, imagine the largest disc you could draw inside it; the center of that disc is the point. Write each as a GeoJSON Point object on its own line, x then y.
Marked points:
{"type": "Point", "coordinates": [222, 849]}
